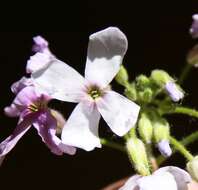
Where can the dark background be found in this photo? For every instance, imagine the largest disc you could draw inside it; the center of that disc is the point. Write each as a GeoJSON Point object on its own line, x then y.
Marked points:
{"type": "Point", "coordinates": [158, 38]}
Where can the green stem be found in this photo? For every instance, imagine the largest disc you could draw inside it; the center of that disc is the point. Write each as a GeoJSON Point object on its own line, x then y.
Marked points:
{"type": "Point", "coordinates": [186, 141]}
{"type": "Point", "coordinates": [185, 110]}
{"type": "Point", "coordinates": [181, 148]}
{"type": "Point", "coordinates": [113, 145]}
{"type": "Point", "coordinates": [184, 73]}
{"type": "Point", "coordinates": [190, 139]}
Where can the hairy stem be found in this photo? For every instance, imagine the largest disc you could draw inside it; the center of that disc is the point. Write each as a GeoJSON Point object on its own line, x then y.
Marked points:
{"type": "Point", "coordinates": [186, 141]}
{"type": "Point", "coordinates": [185, 110]}
{"type": "Point", "coordinates": [112, 144]}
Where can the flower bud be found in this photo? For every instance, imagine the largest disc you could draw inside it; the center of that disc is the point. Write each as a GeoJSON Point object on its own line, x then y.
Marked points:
{"type": "Point", "coordinates": [146, 95]}
{"type": "Point", "coordinates": [137, 153]}
{"type": "Point", "coordinates": [174, 91]}
{"type": "Point", "coordinates": [160, 77]}
{"type": "Point", "coordinates": [142, 81]}
{"type": "Point", "coordinates": [161, 135]}
{"type": "Point", "coordinates": [145, 128]}
{"type": "Point", "coordinates": [131, 92]}
{"type": "Point", "coordinates": [192, 167]}
{"type": "Point", "coordinates": [122, 76]}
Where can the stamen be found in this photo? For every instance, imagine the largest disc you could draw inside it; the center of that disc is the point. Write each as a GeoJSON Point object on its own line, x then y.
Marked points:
{"type": "Point", "coordinates": [94, 92]}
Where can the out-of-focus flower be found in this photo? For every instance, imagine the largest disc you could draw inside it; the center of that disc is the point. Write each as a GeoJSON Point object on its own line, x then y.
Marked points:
{"type": "Point", "coordinates": [166, 178]}
{"type": "Point", "coordinates": [31, 108]}
{"type": "Point", "coordinates": [194, 27]}
{"type": "Point", "coordinates": [105, 54]}
{"type": "Point", "coordinates": [192, 57]}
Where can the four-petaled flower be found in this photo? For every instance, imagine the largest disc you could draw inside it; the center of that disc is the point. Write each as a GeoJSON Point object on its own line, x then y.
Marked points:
{"type": "Point", "coordinates": [105, 54]}
{"type": "Point", "coordinates": [31, 108]}
{"type": "Point", "coordinates": [166, 178]}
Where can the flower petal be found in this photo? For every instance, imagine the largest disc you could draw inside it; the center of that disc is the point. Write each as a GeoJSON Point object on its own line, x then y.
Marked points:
{"type": "Point", "coordinates": [131, 183]}
{"type": "Point", "coordinates": [105, 54]}
{"type": "Point", "coordinates": [162, 181]}
{"type": "Point", "coordinates": [19, 85]}
{"type": "Point", "coordinates": [119, 112]}
{"type": "Point", "coordinates": [182, 178]}
{"type": "Point", "coordinates": [81, 129]}
{"type": "Point", "coordinates": [12, 111]}
{"type": "Point", "coordinates": [46, 127]}
{"type": "Point", "coordinates": [60, 81]}
{"type": "Point", "coordinates": [164, 148]}
{"type": "Point", "coordinates": [41, 45]}
{"type": "Point", "coordinates": [8, 144]}
{"type": "Point", "coordinates": [37, 62]}
{"type": "Point", "coordinates": [25, 97]}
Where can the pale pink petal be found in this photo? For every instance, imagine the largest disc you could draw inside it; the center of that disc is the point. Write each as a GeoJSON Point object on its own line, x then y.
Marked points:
{"type": "Point", "coordinates": [131, 183]}
{"type": "Point", "coordinates": [12, 111]}
{"type": "Point", "coordinates": [163, 181]}
{"type": "Point", "coordinates": [119, 112]}
{"type": "Point", "coordinates": [81, 129]}
{"type": "Point", "coordinates": [46, 127]}
{"type": "Point", "coordinates": [19, 85]}
{"type": "Point", "coordinates": [8, 144]}
{"type": "Point", "coordinates": [25, 97]}
{"type": "Point", "coordinates": [182, 178]}
{"type": "Point", "coordinates": [37, 62]}
{"type": "Point", "coordinates": [105, 54]}
{"type": "Point", "coordinates": [60, 81]}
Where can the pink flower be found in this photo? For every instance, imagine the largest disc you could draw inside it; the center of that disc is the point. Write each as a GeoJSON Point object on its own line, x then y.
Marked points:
{"type": "Point", "coordinates": [166, 178]}
{"type": "Point", "coordinates": [31, 108]}
{"type": "Point", "coordinates": [105, 54]}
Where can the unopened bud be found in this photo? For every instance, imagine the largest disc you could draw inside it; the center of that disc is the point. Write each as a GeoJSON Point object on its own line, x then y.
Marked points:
{"type": "Point", "coordinates": [174, 91]}
{"type": "Point", "coordinates": [194, 27]}
{"type": "Point", "coordinates": [192, 167]}
{"type": "Point", "coordinates": [142, 81]}
{"type": "Point", "coordinates": [160, 77]}
{"type": "Point", "coordinates": [122, 76]}
{"type": "Point", "coordinates": [145, 128]}
{"type": "Point", "coordinates": [161, 135]}
{"type": "Point", "coordinates": [137, 154]}
{"type": "Point", "coordinates": [131, 92]}
{"type": "Point", "coordinates": [146, 95]}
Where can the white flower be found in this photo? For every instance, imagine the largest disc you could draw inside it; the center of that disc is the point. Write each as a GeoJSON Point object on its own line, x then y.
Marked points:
{"type": "Point", "coordinates": [166, 178]}
{"type": "Point", "coordinates": [105, 54]}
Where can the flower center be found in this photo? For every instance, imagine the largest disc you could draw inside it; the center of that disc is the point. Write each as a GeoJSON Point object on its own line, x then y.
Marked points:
{"type": "Point", "coordinates": [94, 92]}
{"type": "Point", "coordinates": [34, 107]}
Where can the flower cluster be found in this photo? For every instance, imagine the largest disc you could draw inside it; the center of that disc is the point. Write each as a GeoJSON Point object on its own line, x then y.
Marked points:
{"type": "Point", "coordinates": [139, 117]}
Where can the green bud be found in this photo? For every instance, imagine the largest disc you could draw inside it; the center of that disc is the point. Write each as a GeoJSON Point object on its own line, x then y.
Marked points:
{"type": "Point", "coordinates": [192, 167]}
{"type": "Point", "coordinates": [161, 130]}
{"type": "Point", "coordinates": [160, 77]}
{"type": "Point", "coordinates": [130, 92]}
{"type": "Point", "coordinates": [138, 156]}
{"type": "Point", "coordinates": [145, 128]}
{"type": "Point", "coordinates": [122, 76]}
{"type": "Point", "coordinates": [146, 95]}
{"type": "Point", "coordinates": [142, 81]}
